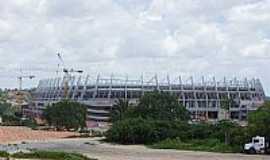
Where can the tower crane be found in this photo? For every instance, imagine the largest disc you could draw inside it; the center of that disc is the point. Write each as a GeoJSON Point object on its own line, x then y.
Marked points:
{"type": "Point", "coordinates": [20, 94]}
{"type": "Point", "coordinates": [20, 78]}
{"type": "Point", "coordinates": [67, 74]}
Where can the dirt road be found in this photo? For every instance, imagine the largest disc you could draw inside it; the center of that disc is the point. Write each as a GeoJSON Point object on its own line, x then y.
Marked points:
{"type": "Point", "coordinates": [103, 151]}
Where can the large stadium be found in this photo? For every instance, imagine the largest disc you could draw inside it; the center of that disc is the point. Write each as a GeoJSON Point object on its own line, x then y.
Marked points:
{"type": "Point", "coordinates": [202, 97]}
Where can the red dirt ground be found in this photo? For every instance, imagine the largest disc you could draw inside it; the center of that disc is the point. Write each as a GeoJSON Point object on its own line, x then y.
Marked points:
{"type": "Point", "coordinates": [17, 134]}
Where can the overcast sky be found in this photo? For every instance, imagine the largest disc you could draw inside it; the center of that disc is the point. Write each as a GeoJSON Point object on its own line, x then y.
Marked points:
{"type": "Point", "coordinates": [188, 37]}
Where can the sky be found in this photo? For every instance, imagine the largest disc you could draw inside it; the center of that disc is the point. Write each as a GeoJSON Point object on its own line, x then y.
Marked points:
{"type": "Point", "coordinates": [177, 37]}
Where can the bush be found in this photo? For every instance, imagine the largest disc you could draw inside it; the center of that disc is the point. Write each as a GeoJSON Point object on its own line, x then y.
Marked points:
{"type": "Point", "coordinates": [51, 155]}
{"type": "Point", "coordinates": [201, 131]}
{"type": "Point", "coordinates": [31, 123]}
{"type": "Point", "coordinates": [11, 120]}
{"type": "Point", "coordinates": [212, 145]}
{"type": "Point", "coordinates": [143, 131]}
{"type": "Point", "coordinates": [66, 115]}
{"type": "Point", "coordinates": [131, 131]}
{"type": "Point", "coordinates": [161, 106]}
{"type": "Point", "coordinates": [3, 154]}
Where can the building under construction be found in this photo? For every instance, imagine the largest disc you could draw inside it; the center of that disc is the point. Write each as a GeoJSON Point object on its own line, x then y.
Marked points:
{"type": "Point", "coordinates": [203, 98]}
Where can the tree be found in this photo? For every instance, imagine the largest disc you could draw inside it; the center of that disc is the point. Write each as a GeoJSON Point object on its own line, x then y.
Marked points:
{"type": "Point", "coordinates": [120, 110]}
{"type": "Point", "coordinates": [66, 114]}
{"type": "Point", "coordinates": [6, 109]}
{"type": "Point", "coordinates": [226, 127]}
{"type": "Point", "coordinates": [259, 121]}
{"type": "Point", "coordinates": [226, 104]}
{"type": "Point", "coordinates": [161, 106]}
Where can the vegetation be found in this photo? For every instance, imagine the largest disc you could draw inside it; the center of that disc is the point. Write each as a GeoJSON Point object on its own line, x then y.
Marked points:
{"type": "Point", "coordinates": [3, 96]}
{"type": "Point", "coordinates": [157, 116]}
{"type": "Point", "coordinates": [161, 122]}
{"type": "Point", "coordinates": [212, 145]}
{"type": "Point", "coordinates": [11, 117]}
{"type": "Point", "coordinates": [143, 131]}
{"type": "Point", "coordinates": [66, 115]}
{"type": "Point", "coordinates": [259, 121]}
{"type": "Point", "coordinates": [161, 106]}
{"type": "Point", "coordinates": [8, 114]}
{"type": "Point", "coordinates": [3, 154]}
{"type": "Point", "coordinates": [120, 109]}
{"type": "Point", "coordinates": [52, 155]}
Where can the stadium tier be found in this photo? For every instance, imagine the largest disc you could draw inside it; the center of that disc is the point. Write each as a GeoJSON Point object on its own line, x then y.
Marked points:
{"type": "Point", "coordinates": [202, 98]}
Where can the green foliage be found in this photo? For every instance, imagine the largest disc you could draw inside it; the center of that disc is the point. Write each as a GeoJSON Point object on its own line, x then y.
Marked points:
{"type": "Point", "coordinates": [120, 110]}
{"type": "Point", "coordinates": [161, 106]}
{"type": "Point", "coordinates": [66, 114]}
{"type": "Point", "coordinates": [231, 133]}
{"type": "Point", "coordinates": [142, 131]}
{"type": "Point", "coordinates": [212, 145]}
{"type": "Point", "coordinates": [160, 120]}
{"type": "Point", "coordinates": [226, 103]}
{"type": "Point", "coordinates": [50, 155]}
{"type": "Point", "coordinates": [131, 131]}
{"type": "Point", "coordinates": [31, 123]}
{"type": "Point", "coordinates": [259, 121]}
{"type": "Point", "coordinates": [3, 154]}
{"type": "Point", "coordinates": [9, 115]}
{"type": "Point", "coordinates": [3, 97]}
{"type": "Point", "coordinates": [200, 131]}
{"type": "Point", "coordinates": [6, 110]}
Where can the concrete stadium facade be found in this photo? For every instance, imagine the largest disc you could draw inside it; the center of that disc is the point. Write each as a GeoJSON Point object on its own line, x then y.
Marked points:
{"type": "Point", "coordinates": [203, 98]}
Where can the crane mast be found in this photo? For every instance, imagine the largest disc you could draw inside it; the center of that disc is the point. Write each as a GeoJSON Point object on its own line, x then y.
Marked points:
{"type": "Point", "coordinates": [20, 78]}
{"type": "Point", "coordinates": [67, 74]}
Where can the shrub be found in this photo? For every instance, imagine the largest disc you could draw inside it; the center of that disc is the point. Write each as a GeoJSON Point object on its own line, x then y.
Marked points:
{"type": "Point", "coordinates": [66, 114]}
{"type": "Point", "coordinates": [3, 154]}
{"type": "Point", "coordinates": [213, 145]}
{"type": "Point", "coordinates": [131, 131]}
{"type": "Point", "coordinates": [50, 155]}
{"type": "Point", "coordinates": [161, 106]}
{"type": "Point", "coordinates": [31, 123]}
{"type": "Point", "coordinates": [145, 131]}
{"type": "Point", "coordinates": [201, 131]}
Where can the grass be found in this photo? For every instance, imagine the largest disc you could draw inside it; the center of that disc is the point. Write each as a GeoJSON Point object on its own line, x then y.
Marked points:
{"type": "Point", "coordinates": [52, 155]}
{"type": "Point", "coordinates": [209, 145]}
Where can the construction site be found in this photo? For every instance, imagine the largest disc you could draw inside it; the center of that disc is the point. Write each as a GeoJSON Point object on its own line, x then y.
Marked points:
{"type": "Point", "coordinates": [203, 99]}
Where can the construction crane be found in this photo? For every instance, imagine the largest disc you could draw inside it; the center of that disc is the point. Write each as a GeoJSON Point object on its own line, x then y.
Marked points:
{"type": "Point", "coordinates": [20, 78]}
{"type": "Point", "coordinates": [67, 74]}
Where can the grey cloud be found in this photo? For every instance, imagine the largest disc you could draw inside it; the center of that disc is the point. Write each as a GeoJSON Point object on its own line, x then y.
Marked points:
{"type": "Point", "coordinates": [155, 36]}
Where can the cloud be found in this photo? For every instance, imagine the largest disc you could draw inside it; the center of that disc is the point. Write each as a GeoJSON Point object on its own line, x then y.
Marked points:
{"type": "Point", "coordinates": [133, 36]}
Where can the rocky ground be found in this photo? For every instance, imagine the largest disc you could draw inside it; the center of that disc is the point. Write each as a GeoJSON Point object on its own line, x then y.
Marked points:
{"type": "Point", "coordinates": [93, 148]}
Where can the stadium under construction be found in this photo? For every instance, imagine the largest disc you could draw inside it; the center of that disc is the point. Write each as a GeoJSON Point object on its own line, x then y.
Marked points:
{"type": "Point", "coordinates": [202, 98]}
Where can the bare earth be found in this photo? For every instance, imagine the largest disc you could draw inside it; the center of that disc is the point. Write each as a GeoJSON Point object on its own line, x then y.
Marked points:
{"type": "Point", "coordinates": [15, 134]}
{"type": "Point", "coordinates": [92, 147]}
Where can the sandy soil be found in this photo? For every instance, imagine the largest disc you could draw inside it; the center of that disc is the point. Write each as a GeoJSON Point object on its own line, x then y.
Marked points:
{"type": "Point", "coordinates": [17, 134]}
{"type": "Point", "coordinates": [103, 151]}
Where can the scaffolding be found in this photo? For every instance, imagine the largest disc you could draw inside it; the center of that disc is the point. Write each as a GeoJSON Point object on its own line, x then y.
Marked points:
{"type": "Point", "coordinates": [201, 97]}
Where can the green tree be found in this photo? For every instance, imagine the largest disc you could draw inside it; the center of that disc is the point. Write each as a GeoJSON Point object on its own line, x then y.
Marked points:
{"type": "Point", "coordinates": [120, 110]}
{"type": "Point", "coordinates": [66, 114]}
{"type": "Point", "coordinates": [161, 106]}
{"type": "Point", "coordinates": [259, 121]}
{"type": "Point", "coordinates": [225, 128]}
{"type": "Point", "coordinates": [6, 109]}
{"type": "Point", "coordinates": [9, 114]}
{"type": "Point", "coordinates": [226, 103]}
